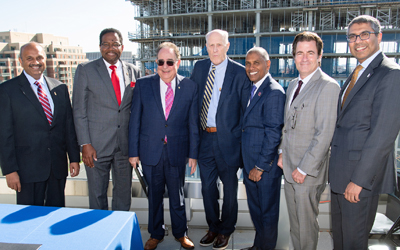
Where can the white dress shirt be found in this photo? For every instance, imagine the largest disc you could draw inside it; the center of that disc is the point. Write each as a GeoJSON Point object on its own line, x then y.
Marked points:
{"type": "Point", "coordinates": [120, 75]}
{"type": "Point", "coordinates": [44, 87]}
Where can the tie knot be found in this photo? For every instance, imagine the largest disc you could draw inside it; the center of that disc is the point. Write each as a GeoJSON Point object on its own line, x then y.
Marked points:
{"type": "Point", "coordinates": [168, 84]}
{"type": "Point", "coordinates": [213, 67]}
{"type": "Point", "coordinates": [358, 68]}
{"type": "Point", "coordinates": [37, 83]}
{"type": "Point", "coordinates": [300, 83]}
{"type": "Point", "coordinates": [113, 67]}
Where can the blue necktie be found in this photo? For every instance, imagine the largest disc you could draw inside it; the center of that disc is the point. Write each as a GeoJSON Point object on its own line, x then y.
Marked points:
{"type": "Point", "coordinates": [253, 91]}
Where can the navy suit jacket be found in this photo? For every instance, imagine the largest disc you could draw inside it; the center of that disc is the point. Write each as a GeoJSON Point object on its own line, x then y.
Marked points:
{"type": "Point", "coordinates": [262, 128]}
{"type": "Point", "coordinates": [231, 106]}
{"type": "Point", "coordinates": [148, 127]}
{"type": "Point", "coordinates": [28, 144]}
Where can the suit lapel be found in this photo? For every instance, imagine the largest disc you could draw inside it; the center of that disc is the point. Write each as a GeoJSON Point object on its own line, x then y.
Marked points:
{"type": "Point", "coordinates": [156, 92]}
{"type": "Point", "coordinates": [178, 93]}
{"type": "Point", "coordinates": [204, 80]}
{"type": "Point", "coordinates": [28, 92]}
{"type": "Point", "coordinates": [290, 90]}
{"type": "Point", "coordinates": [106, 79]}
{"type": "Point", "coordinates": [311, 83]}
{"type": "Point", "coordinates": [226, 86]}
{"type": "Point", "coordinates": [257, 96]}
{"type": "Point", "coordinates": [127, 73]}
{"type": "Point", "coordinates": [368, 72]}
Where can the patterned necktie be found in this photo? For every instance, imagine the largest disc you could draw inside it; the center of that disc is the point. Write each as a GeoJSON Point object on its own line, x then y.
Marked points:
{"type": "Point", "coordinates": [253, 90]}
{"type": "Point", "coordinates": [115, 83]}
{"type": "Point", "coordinates": [169, 99]}
{"type": "Point", "coordinates": [207, 98]}
{"type": "Point", "coordinates": [297, 91]}
{"type": "Point", "coordinates": [45, 102]}
{"type": "Point", "coordinates": [352, 82]}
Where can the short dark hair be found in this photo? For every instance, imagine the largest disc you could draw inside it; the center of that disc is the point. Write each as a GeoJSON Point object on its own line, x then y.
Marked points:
{"type": "Point", "coordinates": [375, 24]}
{"type": "Point", "coordinates": [170, 46]}
{"type": "Point", "coordinates": [111, 30]}
{"type": "Point", "coordinates": [308, 36]}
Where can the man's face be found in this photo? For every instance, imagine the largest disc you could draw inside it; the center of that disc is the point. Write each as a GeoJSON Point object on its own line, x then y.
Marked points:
{"type": "Point", "coordinates": [216, 48]}
{"type": "Point", "coordinates": [111, 47]}
{"type": "Point", "coordinates": [256, 67]}
{"type": "Point", "coordinates": [363, 49]}
{"type": "Point", "coordinates": [307, 58]}
{"type": "Point", "coordinates": [33, 60]}
{"type": "Point", "coordinates": [167, 56]}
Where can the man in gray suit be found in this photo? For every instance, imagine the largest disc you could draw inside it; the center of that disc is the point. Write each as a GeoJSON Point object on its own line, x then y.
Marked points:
{"type": "Point", "coordinates": [309, 124]}
{"type": "Point", "coordinates": [101, 105]}
{"type": "Point", "coordinates": [362, 160]}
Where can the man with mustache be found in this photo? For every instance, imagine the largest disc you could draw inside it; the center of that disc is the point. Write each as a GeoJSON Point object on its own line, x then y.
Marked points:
{"type": "Point", "coordinates": [362, 161]}
{"type": "Point", "coordinates": [37, 133]}
{"type": "Point", "coordinates": [101, 103]}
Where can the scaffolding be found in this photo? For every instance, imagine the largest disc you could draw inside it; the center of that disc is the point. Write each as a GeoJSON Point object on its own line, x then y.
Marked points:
{"type": "Point", "coordinates": [246, 4]}
{"type": "Point", "coordinates": [221, 4]}
{"type": "Point", "coordinates": [351, 14]}
{"type": "Point", "coordinates": [327, 20]}
{"type": "Point", "coordinates": [297, 20]}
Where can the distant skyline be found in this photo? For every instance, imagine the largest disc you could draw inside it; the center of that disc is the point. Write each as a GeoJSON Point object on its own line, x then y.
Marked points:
{"type": "Point", "coordinates": [79, 20]}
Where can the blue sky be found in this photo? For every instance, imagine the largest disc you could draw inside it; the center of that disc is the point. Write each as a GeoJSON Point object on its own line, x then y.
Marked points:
{"type": "Point", "coordinates": [79, 20]}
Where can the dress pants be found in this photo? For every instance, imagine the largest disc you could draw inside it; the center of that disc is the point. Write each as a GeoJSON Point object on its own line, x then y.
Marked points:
{"type": "Point", "coordinates": [212, 166]}
{"type": "Point", "coordinates": [174, 177]}
{"type": "Point", "coordinates": [263, 200]}
{"type": "Point", "coordinates": [302, 203]}
{"type": "Point", "coordinates": [47, 193]}
{"type": "Point", "coordinates": [352, 222]}
{"type": "Point", "coordinates": [99, 177]}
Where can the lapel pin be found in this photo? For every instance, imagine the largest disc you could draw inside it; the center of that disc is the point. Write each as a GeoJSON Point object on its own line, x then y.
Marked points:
{"type": "Point", "coordinates": [126, 73]}
{"type": "Point", "coordinates": [55, 93]}
{"type": "Point", "coordinates": [219, 89]}
{"type": "Point", "coordinates": [368, 74]}
{"type": "Point", "coordinates": [179, 87]}
{"type": "Point", "coordinates": [259, 93]}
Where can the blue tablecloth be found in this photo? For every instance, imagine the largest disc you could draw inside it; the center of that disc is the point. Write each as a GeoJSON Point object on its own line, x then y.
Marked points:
{"type": "Point", "coordinates": [69, 228]}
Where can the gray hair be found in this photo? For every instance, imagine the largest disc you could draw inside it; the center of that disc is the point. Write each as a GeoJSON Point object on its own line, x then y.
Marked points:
{"type": "Point", "coordinates": [375, 24]}
{"type": "Point", "coordinates": [259, 50]}
{"type": "Point", "coordinates": [223, 33]}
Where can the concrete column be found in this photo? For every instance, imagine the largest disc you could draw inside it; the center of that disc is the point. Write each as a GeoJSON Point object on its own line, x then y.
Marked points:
{"type": "Point", "coordinates": [258, 40]}
{"type": "Point", "coordinates": [166, 26]}
{"type": "Point", "coordinates": [258, 24]}
{"type": "Point", "coordinates": [258, 4]}
{"type": "Point", "coordinates": [210, 26]}
{"type": "Point", "coordinates": [310, 19]}
{"type": "Point", "coordinates": [165, 7]}
{"type": "Point", "coordinates": [367, 11]}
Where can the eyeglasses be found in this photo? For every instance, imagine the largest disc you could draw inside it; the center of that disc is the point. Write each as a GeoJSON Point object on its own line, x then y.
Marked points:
{"type": "Point", "coordinates": [107, 45]}
{"type": "Point", "coordinates": [161, 62]}
{"type": "Point", "coordinates": [363, 36]}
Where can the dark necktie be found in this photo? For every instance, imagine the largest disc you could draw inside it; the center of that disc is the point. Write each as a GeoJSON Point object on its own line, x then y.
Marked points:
{"type": "Point", "coordinates": [207, 98]}
{"type": "Point", "coordinates": [352, 82]}
{"type": "Point", "coordinates": [45, 102]}
{"type": "Point", "coordinates": [115, 83]}
{"type": "Point", "coordinates": [297, 91]}
{"type": "Point", "coordinates": [253, 90]}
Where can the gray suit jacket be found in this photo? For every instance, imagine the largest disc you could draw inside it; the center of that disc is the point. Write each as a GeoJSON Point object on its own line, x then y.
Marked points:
{"type": "Point", "coordinates": [98, 118]}
{"type": "Point", "coordinates": [366, 129]}
{"type": "Point", "coordinates": [308, 129]}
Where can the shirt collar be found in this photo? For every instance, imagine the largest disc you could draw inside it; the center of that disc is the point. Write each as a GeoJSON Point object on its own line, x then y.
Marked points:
{"type": "Point", "coordinates": [366, 63]}
{"type": "Point", "coordinates": [118, 64]}
{"type": "Point", "coordinates": [258, 84]}
{"type": "Point", "coordinates": [33, 80]}
{"type": "Point", "coordinates": [307, 79]}
{"type": "Point", "coordinates": [223, 64]}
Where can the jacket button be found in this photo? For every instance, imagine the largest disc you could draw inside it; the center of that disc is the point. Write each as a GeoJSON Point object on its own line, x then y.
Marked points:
{"type": "Point", "coordinates": [166, 125]}
{"type": "Point", "coordinates": [119, 126]}
{"type": "Point", "coordinates": [243, 130]}
{"type": "Point", "coordinates": [48, 149]}
{"type": "Point", "coordinates": [284, 131]}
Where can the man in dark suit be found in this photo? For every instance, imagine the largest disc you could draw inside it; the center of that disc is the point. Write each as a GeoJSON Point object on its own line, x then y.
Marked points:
{"type": "Point", "coordinates": [261, 135]}
{"type": "Point", "coordinates": [362, 159]}
{"type": "Point", "coordinates": [223, 96]}
{"type": "Point", "coordinates": [36, 133]}
{"type": "Point", "coordinates": [163, 134]}
{"type": "Point", "coordinates": [101, 104]}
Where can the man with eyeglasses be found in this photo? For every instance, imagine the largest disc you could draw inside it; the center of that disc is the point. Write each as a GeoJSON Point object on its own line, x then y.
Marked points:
{"type": "Point", "coordinates": [362, 151]}
{"type": "Point", "coordinates": [101, 99]}
{"type": "Point", "coordinates": [164, 136]}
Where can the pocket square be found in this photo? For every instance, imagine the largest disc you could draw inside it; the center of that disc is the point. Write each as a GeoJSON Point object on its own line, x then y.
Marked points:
{"type": "Point", "coordinates": [133, 84]}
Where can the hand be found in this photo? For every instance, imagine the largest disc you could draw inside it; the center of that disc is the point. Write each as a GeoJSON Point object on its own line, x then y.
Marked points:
{"type": "Point", "coordinates": [88, 155]}
{"type": "Point", "coordinates": [255, 175]}
{"type": "Point", "coordinates": [352, 192]}
{"type": "Point", "coordinates": [134, 161]}
{"type": "Point", "coordinates": [193, 165]}
{"type": "Point", "coordinates": [74, 168]}
{"type": "Point", "coordinates": [13, 181]}
{"type": "Point", "coordinates": [280, 161]}
{"type": "Point", "coordinates": [298, 177]}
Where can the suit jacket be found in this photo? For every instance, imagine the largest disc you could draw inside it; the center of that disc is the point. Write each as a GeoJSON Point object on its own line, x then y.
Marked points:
{"type": "Point", "coordinates": [28, 144]}
{"type": "Point", "coordinates": [148, 127]}
{"type": "Point", "coordinates": [98, 118]}
{"type": "Point", "coordinates": [366, 129]}
{"type": "Point", "coordinates": [308, 129]}
{"type": "Point", "coordinates": [231, 106]}
{"type": "Point", "coordinates": [262, 128]}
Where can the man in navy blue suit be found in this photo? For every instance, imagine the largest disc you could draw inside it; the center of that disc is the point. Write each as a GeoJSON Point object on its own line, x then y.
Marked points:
{"type": "Point", "coordinates": [261, 135]}
{"type": "Point", "coordinates": [163, 134]}
{"type": "Point", "coordinates": [223, 96]}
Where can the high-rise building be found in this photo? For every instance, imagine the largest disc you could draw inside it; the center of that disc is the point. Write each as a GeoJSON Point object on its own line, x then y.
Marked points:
{"type": "Point", "coordinates": [271, 24]}
{"type": "Point", "coordinates": [62, 59]}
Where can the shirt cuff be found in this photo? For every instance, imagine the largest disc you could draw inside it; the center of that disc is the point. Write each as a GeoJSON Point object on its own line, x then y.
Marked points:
{"type": "Point", "coordinates": [301, 172]}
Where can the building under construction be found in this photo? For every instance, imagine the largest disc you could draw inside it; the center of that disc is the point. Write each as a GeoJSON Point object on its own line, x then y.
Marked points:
{"type": "Point", "coordinates": [270, 24]}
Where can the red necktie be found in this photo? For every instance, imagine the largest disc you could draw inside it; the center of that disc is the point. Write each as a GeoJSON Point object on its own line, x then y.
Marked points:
{"type": "Point", "coordinates": [115, 82]}
{"type": "Point", "coordinates": [297, 91]}
{"type": "Point", "coordinates": [45, 102]}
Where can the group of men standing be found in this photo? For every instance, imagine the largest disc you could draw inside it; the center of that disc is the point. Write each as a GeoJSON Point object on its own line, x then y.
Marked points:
{"type": "Point", "coordinates": [224, 117]}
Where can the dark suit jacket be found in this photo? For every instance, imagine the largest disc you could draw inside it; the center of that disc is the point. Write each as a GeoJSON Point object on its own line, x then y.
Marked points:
{"type": "Point", "coordinates": [366, 129]}
{"type": "Point", "coordinates": [28, 144]}
{"type": "Point", "coordinates": [98, 118]}
{"type": "Point", "coordinates": [262, 128]}
{"type": "Point", "coordinates": [232, 104]}
{"type": "Point", "coordinates": [148, 127]}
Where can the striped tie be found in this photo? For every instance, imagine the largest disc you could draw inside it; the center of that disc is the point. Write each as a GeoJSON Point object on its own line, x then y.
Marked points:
{"type": "Point", "coordinates": [169, 100]}
{"type": "Point", "coordinates": [45, 102]}
{"type": "Point", "coordinates": [207, 98]}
